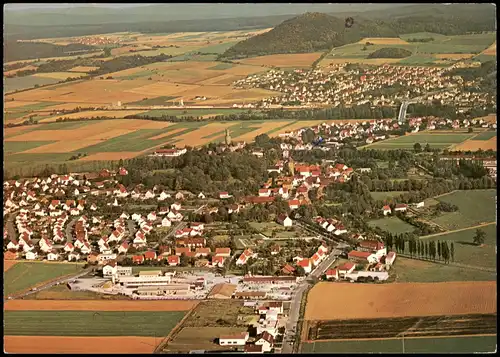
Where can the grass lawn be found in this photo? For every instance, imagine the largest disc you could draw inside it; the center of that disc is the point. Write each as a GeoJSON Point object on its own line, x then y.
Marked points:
{"type": "Point", "coordinates": [386, 195]}
{"type": "Point", "coordinates": [62, 292]}
{"type": "Point", "coordinates": [24, 275]}
{"type": "Point", "coordinates": [474, 207]}
{"type": "Point", "coordinates": [418, 271]}
{"type": "Point", "coordinates": [469, 344]}
{"type": "Point", "coordinates": [434, 140]}
{"type": "Point", "coordinates": [468, 253]}
{"type": "Point", "coordinates": [90, 323]}
{"type": "Point", "coordinates": [392, 224]}
{"type": "Point", "coordinates": [486, 135]}
{"type": "Point", "coordinates": [10, 147]}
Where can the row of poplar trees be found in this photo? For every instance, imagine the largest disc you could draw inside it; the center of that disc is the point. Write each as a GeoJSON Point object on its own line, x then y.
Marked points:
{"type": "Point", "coordinates": [432, 250]}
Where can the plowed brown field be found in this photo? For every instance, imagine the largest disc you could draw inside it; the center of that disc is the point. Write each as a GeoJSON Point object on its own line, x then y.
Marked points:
{"type": "Point", "coordinates": [332, 301]}
{"type": "Point", "coordinates": [61, 344]}
{"type": "Point", "coordinates": [96, 305]}
{"type": "Point", "coordinates": [7, 264]}
{"type": "Point", "coordinates": [475, 145]}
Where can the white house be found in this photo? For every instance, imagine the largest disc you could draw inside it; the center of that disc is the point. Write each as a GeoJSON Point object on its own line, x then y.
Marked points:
{"type": "Point", "coordinates": [52, 256]}
{"type": "Point", "coordinates": [239, 339]}
{"type": "Point", "coordinates": [305, 264]}
{"type": "Point", "coordinates": [73, 256]}
{"type": "Point", "coordinates": [201, 196]}
{"type": "Point", "coordinates": [69, 248]}
{"type": "Point", "coordinates": [389, 259]}
{"type": "Point", "coordinates": [400, 207]}
{"type": "Point", "coordinates": [163, 196]}
{"type": "Point", "coordinates": [31, 255]}
{"type": "Point", "coordinates": [386, 210]}
{"type": "Point", "coordinates": [165, 222]}
{"type": "Point", "coordinates": [284, 220]}
{"type": "Point", "coordinates": [110, 269]}
{"type": "Point", "coordinates": [266, 341]}
{"type": "Point", "coordinates": [176, 206]}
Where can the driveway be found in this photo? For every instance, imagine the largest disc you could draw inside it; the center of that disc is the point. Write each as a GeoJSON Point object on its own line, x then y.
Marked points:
{"type": "Point", "coordinates": [69, 229]}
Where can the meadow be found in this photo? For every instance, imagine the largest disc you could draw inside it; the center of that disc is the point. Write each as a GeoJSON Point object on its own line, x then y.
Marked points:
{"type": "Point", "coordinates": [20, 83]}
{"type": "Point", "coordinates": [486, 135]}
{"type": "Point", "coordinates": [434, 140]}
{"type": "Point", "coordinates": [461, 344]}
{"type": "Point", "coordinates": [392, 224]}
{"type": "Point", "coordinates": [386, 196]}
{"type": "Point", "coordinates": [90, 323]}
{"type": "Point", "coordinates": [468, 253]}
{"type": "Point", "coordinates": [474, 207]}
{"type": "Point", "coordinates": [407, 270]}
{"type": "Point", "coordinates": [24, 275]}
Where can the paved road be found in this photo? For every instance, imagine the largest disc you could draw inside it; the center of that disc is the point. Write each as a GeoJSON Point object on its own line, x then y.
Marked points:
{"type": "Point", "coordinates": [293, 316]}
{"type": "Point", "coordinates": [131, 229]}
{"type": "Point", "coordinates": [11, 230]}
{"type": "Point", "coordinates": [51, 284]}
{"type": "Point", "coordinates": [69, 229]}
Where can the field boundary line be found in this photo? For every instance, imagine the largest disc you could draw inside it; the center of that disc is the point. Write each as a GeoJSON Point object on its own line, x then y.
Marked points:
{"type": "Point", "coordinates": [175, 330]}
{"type": "Point", "coordinates": [456, 230]}
{"type": "Point", "coordinates": [397, 338]}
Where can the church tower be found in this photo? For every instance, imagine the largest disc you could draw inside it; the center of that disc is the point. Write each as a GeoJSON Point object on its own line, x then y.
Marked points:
{"type": "Point", "coordinates": [228, 138]}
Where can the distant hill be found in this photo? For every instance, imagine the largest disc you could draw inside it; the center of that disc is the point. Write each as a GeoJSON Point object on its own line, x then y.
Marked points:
{"type": "Point", "coordinates": [14, 51]}
{"type": "Point", "coordinates": [317, 31]}
{"type": "Point", "coordinates": [307, 33]}
{"type": "Point", "coordinates": [390, 52]}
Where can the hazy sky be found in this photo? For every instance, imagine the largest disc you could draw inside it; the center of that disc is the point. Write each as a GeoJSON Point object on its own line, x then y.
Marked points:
{"type": "Point", "coordinates": [64, 5]}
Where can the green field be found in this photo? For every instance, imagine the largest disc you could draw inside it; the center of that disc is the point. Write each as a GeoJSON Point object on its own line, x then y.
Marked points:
{"type": "Point", "coordinates": [468, 253]}
{"type": "Point", "coordinates": [392, 224]}
{"type": "Point", "coordinates": [33, 107]}
{"type": "Point", "coordinates": [266, 228]}
{"type": "Point", "coordinates": [24, 275]}
{"type": "Point", "coordinates": [222, 66]}
{"type": "Point", "coordinates": [434, 140]}
{"type": "Point", "coordinates": [420, 35]}
{"type": "Point", "coordinates": [153, 101]}
{"type": "Point", "coordinates": [10, 147]}
{"type": "Point", "coordinates": [407, 270]}
{"type": "Point", "coordinates": [486, 135]}
{"type": "Point", "coordinates": [381, 196]}
{"type": "Point", "coordinates": [192, 112]}
{"type": "Point", "coordinates": [217, 48]}
{"type": "Point", "coordinates": [474, 207]}
{"type": "Point", "coordinates": [90, 323]}
{"type": "Point", "coordinates": [469, 344]}
{"type": "Point", "coordinates": [19, 83]}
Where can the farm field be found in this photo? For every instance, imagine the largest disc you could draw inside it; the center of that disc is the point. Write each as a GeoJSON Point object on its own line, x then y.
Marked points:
{"type": "Point", "coordinates": [417, 271]}
{"type": "Point", "coordinates": [486, 135]}
{"type": "Point", "coordinates": [429, 53]}
{"type": "Point", "coordinates": [60, 75]}
{"type": "Point", "coordinates": [462, 344]}
{"type": "Point", "coordinates": [208, 321]}
{"type": "Point", "coordinates": [114, 139]}
{"type": "Point", "coordinates": [93, 114]}
{"type": "Point", "coordinates": [92, 305]}
{"type": "Point", "coordinates": [7, 264]}
{"type": "Point", "coordinates": [389, 195]}
{"type": "Point", "coordinates": [392, 224]}
{"type": "Point", "coordinates": [286, 60]}
{"type": "Point", "coordinates": [474, 207]}
{"type": "Point", "coordinates": [63, 292]}
{"type": "Point", "coordinates": [434, 140]}
{"type": "Point", "coordinates": [399, 300]}
{"type": "Point", "coordinates": [90, 323]}
{"type": "Point", "coordinates": [478, 143]}
{"type": "Point", "coordinates": [24, 275]}
{"type": "Point", "coordinates": [468, 253]}
{"type": "Point", "coordinates": [79, 344]}
{"type": "Point", "coordinates": [20, 83]}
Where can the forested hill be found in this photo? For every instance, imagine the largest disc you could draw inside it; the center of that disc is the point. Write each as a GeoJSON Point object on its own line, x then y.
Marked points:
{"type": "Point", "coordinates": [316, 31]}
{"type": "Point", "coordinates": [307, 33]}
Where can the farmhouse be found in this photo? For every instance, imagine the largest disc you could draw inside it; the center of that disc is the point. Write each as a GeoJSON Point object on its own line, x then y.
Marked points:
{"type": "Point", "coordinates": [386, 210]}
{"type": "Point", "coordinates": [284, 220]}
{"type": "Point", "coordinates": [400, 207]}
{"type": "Point", "coordinates": [362, 256]}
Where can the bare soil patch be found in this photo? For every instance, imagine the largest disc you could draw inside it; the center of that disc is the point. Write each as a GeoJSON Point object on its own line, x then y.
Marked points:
{"type": "Point", "coordinates": [351, 301]}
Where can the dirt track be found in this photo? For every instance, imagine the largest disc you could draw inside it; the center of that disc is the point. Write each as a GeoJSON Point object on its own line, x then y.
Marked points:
{"type": "Point", "coordinates": [61, 344]}
{"type": "Point", "coordinates": [96, 305]}
{"type": "Point", "coordinates": [337, 301]}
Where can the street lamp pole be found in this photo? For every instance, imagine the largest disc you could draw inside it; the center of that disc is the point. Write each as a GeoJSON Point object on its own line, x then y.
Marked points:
{"type": "Point", "coordinates": [403, 343]}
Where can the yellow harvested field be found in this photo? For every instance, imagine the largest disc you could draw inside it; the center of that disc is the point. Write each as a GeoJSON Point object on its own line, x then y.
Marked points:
{"type": "Point", "coordinates": [14, 71]}
{"type": "Point", "coordinates": [83, 69]}
{"type": "Point", "coordinates": [94, 113]}
{"type": "Point", "coordinates": [372, 61]}
{"type": "Point", "coordinates": [156, 137]}
{"type": "Point", "coordinates": [105, 156]}
{"type": "Point", "coordinates": [475, 145]}
{"type": "Point", "coordinates": [297, 126]}
{"type": "Point", "coordinates": [61, 147]}
{"type": "Point", "coordinates": [9, 104]}
{"type": "Point", "coordinates": [262, 129]}
{"type": "Point", "coordinates": [286, 60]}
{"type": "Point", "coordinates": [160, 89]}
{"type": "Point", "coordinates": [491, 51]}
{"type": "Point", "coordinates": [90, 130]}
{"type": "Point", "coordinates": [60, 75]}
{"type": "Point", "coordinates": [79, 344]}
{"type": "Point", "coordinates": [246, 70]}
{"type": "Point", "coordinates": [384, 41]}
{"type": "Point", "coordinates": [198, 137]}
{"type": "Point", "coordinates": [453, 56]}
{"type": "Point", "coordinates": [126, 49]}
{"type": "Point", "coordinates": [17, 129]}
{"type": "Point", "coordinates": [223, 79]}
{"type": "Point", "coordinates": [399, 300]}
